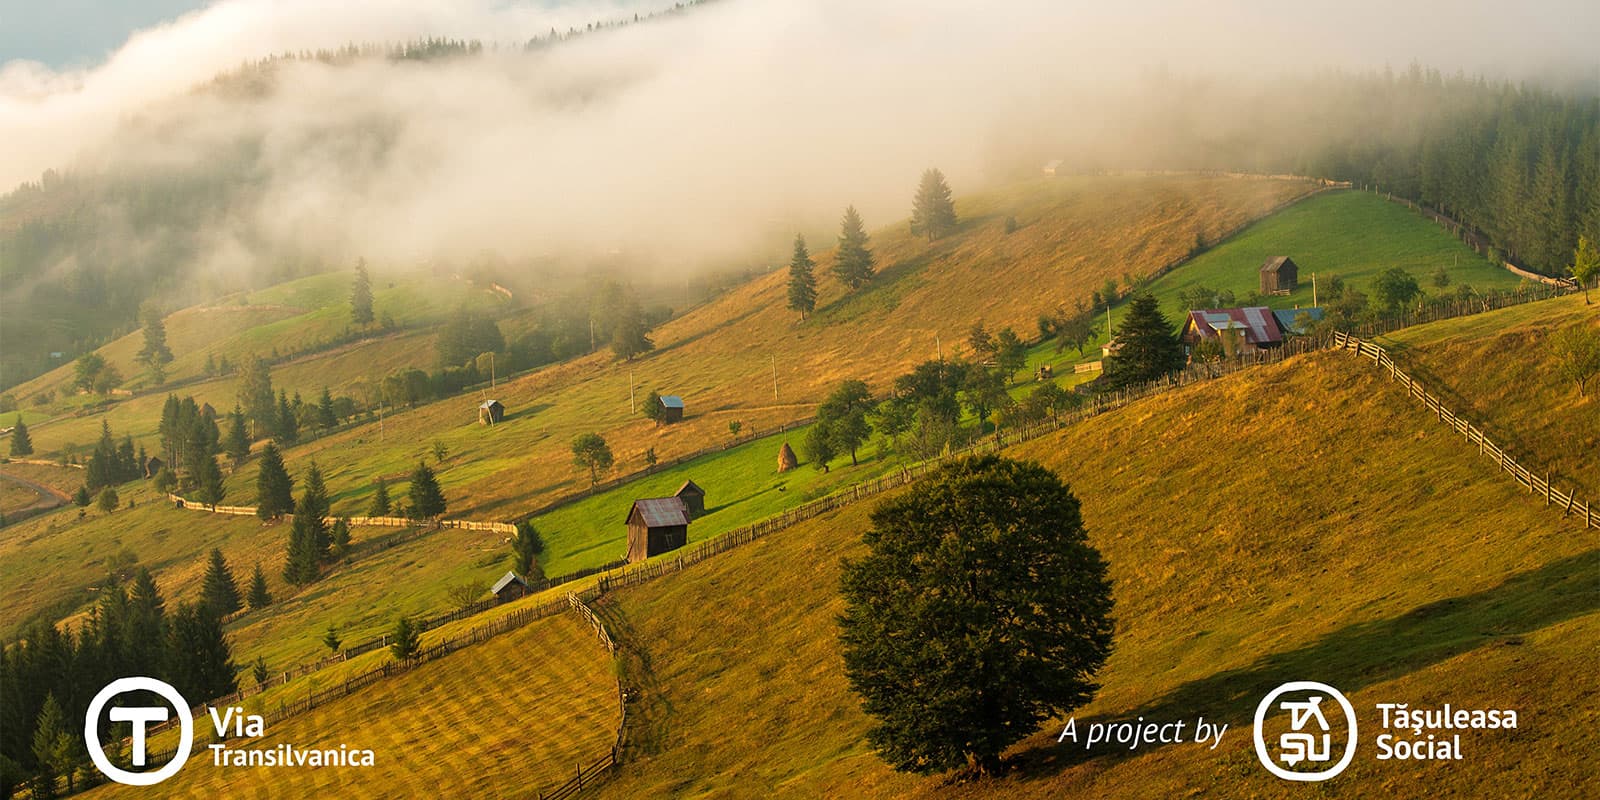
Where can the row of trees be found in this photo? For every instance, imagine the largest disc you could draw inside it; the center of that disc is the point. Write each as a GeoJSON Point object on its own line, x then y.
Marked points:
{"type": "Point", "coordinates": [933, 214]}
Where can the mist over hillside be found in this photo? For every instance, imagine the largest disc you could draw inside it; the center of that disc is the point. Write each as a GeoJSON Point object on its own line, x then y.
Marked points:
{"type": "Point", "coordinates": [703, 137]}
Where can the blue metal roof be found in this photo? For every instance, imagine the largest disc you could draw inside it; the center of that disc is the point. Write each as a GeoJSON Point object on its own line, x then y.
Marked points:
{"type": "Point", "coordinates": [1287, 317]}
{"type": "Point", "coordinates": [671, 401]}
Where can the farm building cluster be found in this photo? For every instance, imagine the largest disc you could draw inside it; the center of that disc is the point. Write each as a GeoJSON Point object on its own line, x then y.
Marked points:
{"type": "Point", "coordinates": [1242, 331]}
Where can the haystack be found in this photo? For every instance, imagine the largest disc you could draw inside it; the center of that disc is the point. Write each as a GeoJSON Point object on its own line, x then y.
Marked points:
{"type": "Point", "coordinates": [786, 459]}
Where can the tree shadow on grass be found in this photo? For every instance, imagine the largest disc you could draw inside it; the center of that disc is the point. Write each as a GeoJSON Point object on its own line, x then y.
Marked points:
{"type": "Point", "coordinates": [1357, 656]}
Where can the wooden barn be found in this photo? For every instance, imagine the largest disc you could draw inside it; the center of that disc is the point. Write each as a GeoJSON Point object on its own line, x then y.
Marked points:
{"type": "Point", "coordinates": [153, 465]}
{"type": "Point", "coordinates": [510, 587]}
{"type": "Point", "coordinates": [693, 497]}
{"type": "Point", "coordinates": [1279, 275]}
{"type": "Point", "coordinates": [656, 525]}
{"type": "Point", "coordinates": [491, 412]}
{"type": "Point", "coordinates": [671, 408]}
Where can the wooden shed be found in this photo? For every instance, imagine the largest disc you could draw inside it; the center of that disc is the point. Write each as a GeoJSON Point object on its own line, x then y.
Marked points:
{"type": "Point", "coordinates": [656, 525]}
{"type": "Point", "coordinates": [671, 408]}
{"type": "Point", "coordinates": [693, 497]}
{"type": "Point", "coordinates": [1279, 275]}
{"type": "Point", "coordinates": [153, 465]}
{"type": "Point", "coordinates": [491, 412]}
{"type": "Point", "coordinates": [510, 587]}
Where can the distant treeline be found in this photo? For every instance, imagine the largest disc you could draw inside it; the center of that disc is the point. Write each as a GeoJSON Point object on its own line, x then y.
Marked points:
{"type": "Point", "coordinates": [1521, 164]}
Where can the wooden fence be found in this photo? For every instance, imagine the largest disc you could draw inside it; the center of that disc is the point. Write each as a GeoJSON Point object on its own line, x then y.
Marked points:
{"type": "Point", "coordinates": [1478, 241]}
{"type": "Point", "coordinates": [1536, 484]}
{"type": "Point", "coordinates": [506, 528]}
{"type": "Point", "coordinates": [596, 770]}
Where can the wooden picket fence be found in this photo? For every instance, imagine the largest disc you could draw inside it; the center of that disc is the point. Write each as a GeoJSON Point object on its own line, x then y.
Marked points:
{"type": "Point", "coordinates": [592, 773]}
{"type": "Point", "coordinates": [1536, 484]}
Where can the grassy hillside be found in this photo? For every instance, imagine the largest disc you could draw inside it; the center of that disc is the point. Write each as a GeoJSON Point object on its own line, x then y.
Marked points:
{"type": "Point", "coordinates": [721, 357]}
{"type": "Point", "coordinates": [1493, 368]}
{"type": "Point", "coordinates": [1297, 522]}
{"type": "Point", "coordinates": [1354, 235]}
{"type": "Point", "coordinates": [504, 718]}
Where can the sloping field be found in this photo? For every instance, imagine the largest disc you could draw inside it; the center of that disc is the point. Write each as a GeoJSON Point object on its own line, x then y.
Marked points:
{"type": "Point", "coordinates": [1297, 522]}
{"type": "Point", "coordinates": [1495, 369]}
{"type": "Point", "coordinates": [724, 357]}
{"type": "Point", "coordinates": [502, 719]}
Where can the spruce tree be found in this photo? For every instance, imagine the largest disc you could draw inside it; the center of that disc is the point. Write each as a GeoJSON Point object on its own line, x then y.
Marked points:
{"type": "Point", "coordinates": [219, 592]}
{"type": "Point", "coordinates": [259, 597]}
{"type": "Point", "coordinates": [301, 561]}
{"type": "Point", "coordinates": [380, 499]}
{"type": "Point", "coordinates": [361, 295]}
{"type": "Point", "coordinates": [330, 639]}
{"type": "Point", "coordinates": [202, 663]}
{"type": "Point", "coordinates": [802, 281]}
{"type": "Point", "coordinates": [340, 538]}
{"type": "Point", "coordinates": [326, 418]}
{"type": "Point", "coordinates": [1147, 346]}
{"type": "Point", "coordinates": [933, 213]}
{"type": "Point", "coordinates": [237, 444]}
{"type": "Point", "coordinates": [287, 428]}
{"type": "Point", "coordinates": [853, 262]}
{"type": "Point", "coordinates": [274, 487]}
{"type": "Point", "coordinates": [209, 481]}
{"type": "Point", "coordinates": [407, 641]}
{"type": "Point", "coordinates": [427, 500]}
{"type": "Point", "coordinates": [21, 442]}
{"type": "Point", "coordinates": [155, 355]}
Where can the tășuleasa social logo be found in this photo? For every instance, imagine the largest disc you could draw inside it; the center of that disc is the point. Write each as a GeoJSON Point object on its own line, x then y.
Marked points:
{"type": "Point", "coordinates": [1305, 751]}
{"type": "Point", "coordinates": [126, 700]}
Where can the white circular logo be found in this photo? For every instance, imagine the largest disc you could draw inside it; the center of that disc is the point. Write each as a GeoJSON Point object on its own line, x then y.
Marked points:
{"type": "Point", "coordinates": [140, 716]}
{"type": "Point", "coordinates": [1308, 742]}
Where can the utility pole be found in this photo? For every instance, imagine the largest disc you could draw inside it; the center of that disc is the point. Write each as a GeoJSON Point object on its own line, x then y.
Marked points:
{"type": "Point", "coordinates": [940, 345]}
{"type": "Point", "coordinates": [491, 369]}
{"type": "Point", "coordinates": [631, 409]}
{"type": "Point", "coordinates": [1313, 289]}
{"type": "Point", "coordinates": [774, 379]}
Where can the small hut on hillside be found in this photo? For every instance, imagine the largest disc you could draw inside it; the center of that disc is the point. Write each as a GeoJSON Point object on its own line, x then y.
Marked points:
{"type": "Point", "coordinates": [693, 497]}
{"type": "Point", "coordinates": [510, 587]}
{"type": "Point", "coordinates": [671, 408]}
{"type": "Point", "coordinates": [656, 525]}
{"type": "Point", "coordinates": [491, 412]}
{"type": "Point", "coordinates": [1279, 275]}
{"type": "Point", "coordinates": [153, 465]}
{"type": "Point", "coordinates": [786, 459]}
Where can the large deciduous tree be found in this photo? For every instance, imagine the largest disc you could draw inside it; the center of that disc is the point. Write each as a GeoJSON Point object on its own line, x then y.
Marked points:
{"type": "Point", "coordinates": [979, 611]}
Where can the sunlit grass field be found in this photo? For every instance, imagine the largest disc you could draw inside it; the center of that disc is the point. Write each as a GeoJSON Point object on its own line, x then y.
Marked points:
{"type": "Point", "coordinates": [504, 718]}
{"type": "Point", "coordinates": [1372, 550]}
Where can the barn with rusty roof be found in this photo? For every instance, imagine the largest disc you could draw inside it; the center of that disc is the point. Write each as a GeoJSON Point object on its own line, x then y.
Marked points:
{"type": "Point", "coordinates": [1239, 330]}
{"type": "Point", "coordinates": [656, 525]}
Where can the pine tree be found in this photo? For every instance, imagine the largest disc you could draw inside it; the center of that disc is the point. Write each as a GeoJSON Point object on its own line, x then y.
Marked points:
{"type": "Point", "coordinates": [258, 671]}
{"type": "Point", "coordinates": [933, 213]}
{"type": "Point", "coordinates": [802, 281]}
{"type": "Point", "coordinates": [287, 429]}
{"type": "Point", "coordinates": [237, 444]}
{"type": "Point", "coordinates": [301, 562]}
{"type": "Point", "coordinates": [155, 355]}
{"type": "Point", "coordinates": [427, 500]}
{"type": "Point", "coordinates": [317, 490]}
{"type": "Point", "coordinates": [1147, 346]}
{"type": "Point", "coordinates": [326, 418]}
{"type": "Point", "coordinates": [209, 480]}
{"type": "Point", "coordinates": [340, 538]}
{"type": "Point", "coordinates": [202, 664]}
{"type": "Point", "coordinates": [52, 746]}
{"type": "Point", "coordinates": [380, 499]}
{"type": "Point", "coordinates": [526, 545]}
{"type": "Point", "coordinates": [853, 262]}
{"type": "Point", "coordinates": [274, 487]}
{"type": "Point", "coordinates": [21, 442]}
{"type": "Point", "coordinates": [259, 597]}
{"type": "Point", "coordinates": [406, 639]}
{"type": "Point", "coordinates": [361, 295]}
{"type": "Point", "coordinates": [330, 639]}
{"type": "Point", "coordinates": [219, 592]}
